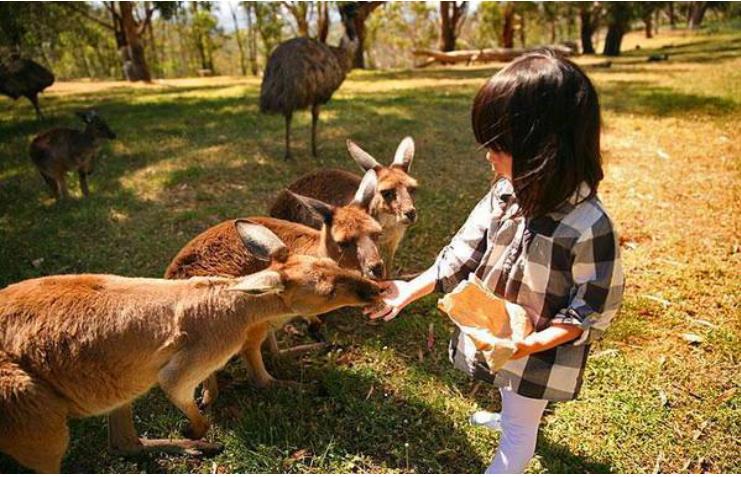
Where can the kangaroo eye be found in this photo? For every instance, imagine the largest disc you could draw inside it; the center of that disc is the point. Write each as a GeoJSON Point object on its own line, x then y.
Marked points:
{"type": "Point", "coordinates": [388, 195]}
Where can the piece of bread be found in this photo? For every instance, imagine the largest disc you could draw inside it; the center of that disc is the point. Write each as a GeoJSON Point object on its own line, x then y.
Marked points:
{"type": "Point", "coordinates": [491, 323]}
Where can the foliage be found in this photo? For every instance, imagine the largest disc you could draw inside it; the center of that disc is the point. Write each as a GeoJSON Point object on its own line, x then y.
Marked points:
{"type": "Point", "coordinates": [414, 25]}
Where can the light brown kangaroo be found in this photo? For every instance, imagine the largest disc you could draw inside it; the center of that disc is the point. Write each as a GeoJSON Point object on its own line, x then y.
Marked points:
{"type": "Point", "coordinates": [60, 150]}
{"type": "Point", "coordinates": [393, 207]}
{"type": "Point", "coordinates": [348, 235]}
{"type": "Point", "coordinates": [81, 345]}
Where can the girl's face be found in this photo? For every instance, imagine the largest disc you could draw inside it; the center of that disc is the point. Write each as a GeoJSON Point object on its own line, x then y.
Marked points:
{"type": "Point", "coordinates": [501, 163]}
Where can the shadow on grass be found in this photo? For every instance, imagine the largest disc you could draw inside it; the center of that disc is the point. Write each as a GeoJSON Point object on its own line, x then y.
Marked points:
{"type": "Point", "coordinates": [641, 97]}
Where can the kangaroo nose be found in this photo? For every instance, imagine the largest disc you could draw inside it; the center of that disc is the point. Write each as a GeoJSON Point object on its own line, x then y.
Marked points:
{"type": "Point", "coordinates": [411, 215]}
{"type": "Point", "coordinates": [376, 271]}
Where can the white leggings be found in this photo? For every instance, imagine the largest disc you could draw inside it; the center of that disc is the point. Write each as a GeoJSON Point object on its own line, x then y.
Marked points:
{"type": "Point", "coordinates": [520, 422]}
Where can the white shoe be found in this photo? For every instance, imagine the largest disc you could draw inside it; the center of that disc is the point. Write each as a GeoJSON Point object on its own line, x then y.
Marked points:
{"type": "Point", "coordinates": [492, 420]}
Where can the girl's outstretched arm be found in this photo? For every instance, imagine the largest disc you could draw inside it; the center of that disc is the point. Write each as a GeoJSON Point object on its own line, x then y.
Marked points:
{"type": "Point", "coordinates": [399, 294]}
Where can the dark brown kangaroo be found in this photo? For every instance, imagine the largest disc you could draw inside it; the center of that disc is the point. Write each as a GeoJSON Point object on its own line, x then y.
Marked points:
{"type": "Point", "coordinates": [60, 150]}
{"type": "Point", "coordinates": [393, 206]}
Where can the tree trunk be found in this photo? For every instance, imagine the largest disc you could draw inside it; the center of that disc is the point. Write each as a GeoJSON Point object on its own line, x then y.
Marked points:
{"type": "Point", "coordinates": [322, 28]}
{"type": "Point", "coordinates": [451, 18]}
{"type": "Point", "coordinates": [508, 27]}
{"type": "Point", "coordinates": [238, 39]}
{"type": "Point", "coordinates": [523, 33]}
{"type": "Point", "coordinates": [447, 36]}
{"type": "Point", "coordinates": [698, 13]}
{"type": "Point", "coordinates": [613, 40]}
{"type": "Point", "coordinates": [362, 13]}
{"type": "Point", "coordinates": [587, 30]}
{"type": "Point", "coordinates": [299, 11]}
{"type": "Point", "coordinates": [251, 39]}
{"type": "Point", "coordinates": [657, 19]}
{"type": "Point", "coordinates": [672, 17]}
{"type": "Point", "coordinates": [138, 70]}
{"type": "Point", "coordinates": [648, 24]}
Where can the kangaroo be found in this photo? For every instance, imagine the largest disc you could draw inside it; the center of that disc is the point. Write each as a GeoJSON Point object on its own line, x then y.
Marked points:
{"type": "Point", "coordinates": [73, 346]}
{"type": "Point", "coordinates": [393, 207]}
{"type": "Point", "coordinates": [60, 150]}
{"type": "Point", "coordinates": [348, 235]}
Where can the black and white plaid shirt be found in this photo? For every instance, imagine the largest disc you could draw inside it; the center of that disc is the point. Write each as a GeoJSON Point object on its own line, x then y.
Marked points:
{"type": "Point", "coordinates": [561, 268]}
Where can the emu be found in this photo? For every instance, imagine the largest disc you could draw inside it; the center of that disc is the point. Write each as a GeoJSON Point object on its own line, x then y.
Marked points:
{"type": "Point", "coordinates": [23, 77]}
{"type": "Point", "coordinates": [303, 73]}
{"type": "Point", "coordinates": [74, 346]}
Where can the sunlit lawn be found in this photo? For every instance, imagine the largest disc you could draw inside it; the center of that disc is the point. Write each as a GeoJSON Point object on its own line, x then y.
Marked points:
{"type": "Point", "coordinates": [194, 152]}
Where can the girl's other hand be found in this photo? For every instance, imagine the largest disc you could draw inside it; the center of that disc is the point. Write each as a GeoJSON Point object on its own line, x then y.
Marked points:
{"type": "Point", "coordinates": [395, 297]}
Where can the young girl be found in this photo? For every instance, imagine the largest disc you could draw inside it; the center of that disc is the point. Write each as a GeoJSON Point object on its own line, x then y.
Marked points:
{"type": "Point", "coordinates": [540, 239]}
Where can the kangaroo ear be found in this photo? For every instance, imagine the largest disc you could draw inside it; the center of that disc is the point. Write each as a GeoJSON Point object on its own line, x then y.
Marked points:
{"type": "Point", "coordinates": [260, 283]}
{"type": "Point", "coordinates": [404, 154]}
{"type": "Point", "coordinates": [366, 190]}
{"type": "Point", "coordinates": [362, 158]}
{"type": "Point", "coordinates": [322, 209]}
{"type": "Point", "coordinates": [260, 241]}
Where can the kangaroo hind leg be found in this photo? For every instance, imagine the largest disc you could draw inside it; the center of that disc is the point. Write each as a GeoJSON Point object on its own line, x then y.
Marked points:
{"type": "Point", "coordinates": [33, 420]}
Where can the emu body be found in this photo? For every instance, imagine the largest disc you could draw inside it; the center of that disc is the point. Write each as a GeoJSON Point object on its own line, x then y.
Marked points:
{"type": "Point", "coordinates": [304, 73]}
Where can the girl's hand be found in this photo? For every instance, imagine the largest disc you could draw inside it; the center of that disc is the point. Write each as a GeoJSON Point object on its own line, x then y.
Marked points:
{"type": "Point", "coordinates": [396, 295]}
{"type": "Point", "coordinates": [524, 348]}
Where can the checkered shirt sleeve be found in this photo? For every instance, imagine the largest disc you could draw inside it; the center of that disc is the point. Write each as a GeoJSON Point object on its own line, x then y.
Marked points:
{"type": "Point", "coordinates": [598, 282]}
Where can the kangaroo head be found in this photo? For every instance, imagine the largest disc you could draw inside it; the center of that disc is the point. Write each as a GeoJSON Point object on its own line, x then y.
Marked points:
{"type": "Point", "coordinates": [96, 124]}
{"type": "Point", "coordinates": [350, 235]}
{"type": "Point", "coordinates": [394, 202]}
{"type": "Point", "coordinates": [307, 285]}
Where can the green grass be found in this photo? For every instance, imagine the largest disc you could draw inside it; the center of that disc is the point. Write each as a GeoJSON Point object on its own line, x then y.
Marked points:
{"type": "Point", "coordinates": [192, 153]}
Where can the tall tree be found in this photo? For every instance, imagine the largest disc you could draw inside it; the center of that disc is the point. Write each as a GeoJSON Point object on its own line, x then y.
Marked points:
{"type": "Point", "coordinates": [697, 13]}
{"type": "Point", "coordinates": [203, 25]}
{"type": "Point", "coordinates": [361, 14]}
{"type": "Point", "coordinates": [508, 25]}
{"type": "Point", "coordinates": [299, 11]}
{"type": "Point", "coordinates": [128, 27]}
{"type": "Point", "coordinates": [452, 16]}
{"type": "Point", "coordinates": [589, 13]}
{"type": "Point", "coordinates": [322, 25]}
{"type": "Point", "coordinates": [251, 36]}
{"type": "Point", "coordinates": [238, 39]}
{"type": "Point", "coordinates": [268, 24]}
{"type": "Point", "coordinates": [672, 16]}
{"type": "Point", "coordinates": [646, 10]}
{"type": "Point", "coordinates": [619, 15]}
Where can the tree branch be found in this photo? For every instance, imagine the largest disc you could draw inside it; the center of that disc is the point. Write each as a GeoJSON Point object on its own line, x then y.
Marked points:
{"type": "Point", "coordinates": [73, 6]}
{"type": "Point", "coordinates": [147, 20]}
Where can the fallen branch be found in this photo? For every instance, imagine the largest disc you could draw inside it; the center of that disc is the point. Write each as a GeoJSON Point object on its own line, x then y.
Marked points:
{"type": "Point", "coordinates": [484, 55]}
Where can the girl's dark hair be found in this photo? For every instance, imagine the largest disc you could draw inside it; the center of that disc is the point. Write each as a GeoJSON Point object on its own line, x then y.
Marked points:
{"type": "Point", "coordinates": [543, 111]}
